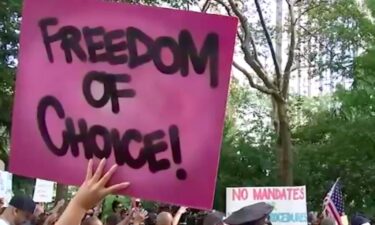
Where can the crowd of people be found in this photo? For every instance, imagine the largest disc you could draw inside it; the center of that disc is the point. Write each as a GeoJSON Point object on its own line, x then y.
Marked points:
{"type": "Point", "coordinates": [356, 219]}
{"type": "Point", "coordinates": [84, 209]}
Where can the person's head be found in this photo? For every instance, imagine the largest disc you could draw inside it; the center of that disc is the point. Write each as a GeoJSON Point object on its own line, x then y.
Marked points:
{"type": "Point", "coordinates": [92, 221]}
{"type": "Point", "coordinates": [112, 220]}
{"type": "Point", "coordinates": [312, 217]}
{"type": "Point", "coordinates": [359, 219]}
{"type": "Point", "coordinates": [20, 210]}
{"type": "Point", "coordinates": [163, 208]}
{"type": "Point", "coordinates": [327, 221]}
{"type": "Point", "coordinates": [164, 218]}
{"type": "Point", "coordinates": [151, 219]}
{"type": "Point", "coordinates": [123, 213]}
{"type": "Point", "coordinates": [117, 206]}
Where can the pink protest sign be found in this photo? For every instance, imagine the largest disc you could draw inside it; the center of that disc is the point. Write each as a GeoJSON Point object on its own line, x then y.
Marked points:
{"type": "Point", "coordinates": [144, 87]}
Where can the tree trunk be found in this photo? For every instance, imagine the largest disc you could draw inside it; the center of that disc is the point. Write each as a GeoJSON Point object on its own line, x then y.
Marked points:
{"type": "Point", "coordinates": [279, 31]}
{"type": "Point", "coordinates": [61, 192]}
{"type": "Point", "coordinates": [278, 126]}
{"type": "Point", "coordinates": [284, 145]}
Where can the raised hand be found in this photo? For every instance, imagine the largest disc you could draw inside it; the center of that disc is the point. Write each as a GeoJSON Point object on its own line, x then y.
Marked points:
{"type": "Point", "coordinates": [139, 216]}
{"type": "Point", "coordinates": [182, 210]}
{"type": "Point", "coordinates": [92, 191]}
{"type": "Point", "coordinates": [177, 217]}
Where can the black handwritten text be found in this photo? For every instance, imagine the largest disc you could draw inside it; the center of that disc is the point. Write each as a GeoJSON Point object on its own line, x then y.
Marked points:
{"type": "Point", "coordinates": [109, 46]}
{"type": "Point", "coordinates": [153, 142]}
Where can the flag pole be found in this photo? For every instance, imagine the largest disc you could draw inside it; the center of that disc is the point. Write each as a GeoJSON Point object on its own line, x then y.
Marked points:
{"type": "Point", "coordinates": [334, 185]}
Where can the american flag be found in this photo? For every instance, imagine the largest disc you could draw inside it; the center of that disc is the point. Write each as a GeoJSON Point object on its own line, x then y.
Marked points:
{"type": "Point", "coordinates": [333, 205]}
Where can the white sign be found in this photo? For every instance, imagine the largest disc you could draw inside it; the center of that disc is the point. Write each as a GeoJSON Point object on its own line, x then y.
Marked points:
{"type": "Point", "coordinates": [289, 202]}
{"type": "Point", "coordinates": [43, 191]}
{"type": "Point", "coordinates": [6, 186]}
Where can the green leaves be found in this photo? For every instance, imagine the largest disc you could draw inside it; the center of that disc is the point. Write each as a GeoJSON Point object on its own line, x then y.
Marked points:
{"type": "Point", "coordinates": [338, 143]}
{"type": "Point", "coordinates": [247, 157]}
{"type": "Point", "coordinates": [181, 4]}
{"type": "Point", "coordinates": [9, 24]}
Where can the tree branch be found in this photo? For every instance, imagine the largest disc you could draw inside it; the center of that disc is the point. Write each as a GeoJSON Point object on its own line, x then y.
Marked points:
{"type": "Point", "coordinates": [269, 41]}
{"type": "Point", "coordinates": [240, 37]}
{"type": "Point", "coordinates": [248, 38]}
{"type": "Point", "coordinates": [251, 81]}
{"type": "Point", "coordinates": [307, 10]}
{"type": "Point", "coordinates": [260, 88]}
{"type": "Point", "coordinates": [243, 20]}
{"type": "Point", "coordinates": [300, 67]}
{"type": "Point", "coordinates": [292, 46]}
{"type": "Point", "coordinates": [255, 52]}
{"type": "Point", "coordinates": [250, 58]}
{"type": "Point", "coordinates": [225, 7]}
{"type": "Point", "coordinates": [205, 6]}
{"type": "Point", "coordinates": [262, 74]}
{"type": "Point", "coordinates": [317, 38]}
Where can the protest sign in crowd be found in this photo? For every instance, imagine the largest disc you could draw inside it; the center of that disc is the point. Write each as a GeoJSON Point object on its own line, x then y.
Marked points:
{"type": "Point", "coordinates": [119, 103]}
{"type": "Point", "coordinates": [255, 205]}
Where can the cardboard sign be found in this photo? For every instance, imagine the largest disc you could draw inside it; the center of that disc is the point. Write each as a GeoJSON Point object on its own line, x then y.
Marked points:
{"type": "Point", "coordinates": [43, 191]}
{"type": "Point", "coordinates": [144, 87]}
{"type": "Point", "coordinates": [289, 202]}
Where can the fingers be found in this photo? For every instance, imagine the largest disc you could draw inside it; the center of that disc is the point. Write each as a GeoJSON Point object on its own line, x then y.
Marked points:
{"type": "Point", "coordinates": [132, 212]}
{"type": "Point", "coordinates": [89, 170]}
{"type": "Point", "coordinates": [104, 180]}
{"type": "Point", "coordinates": [117, 187]}
{"type": "Point", "coordinates": [99, 171]}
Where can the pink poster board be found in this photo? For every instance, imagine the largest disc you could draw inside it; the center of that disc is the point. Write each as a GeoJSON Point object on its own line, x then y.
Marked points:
{"type": "Point", "coordinates": [144, 87]}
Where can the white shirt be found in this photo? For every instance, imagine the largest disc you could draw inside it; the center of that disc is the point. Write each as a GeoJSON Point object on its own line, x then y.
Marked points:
{"type": "Point", "coordinates": [3, 222]}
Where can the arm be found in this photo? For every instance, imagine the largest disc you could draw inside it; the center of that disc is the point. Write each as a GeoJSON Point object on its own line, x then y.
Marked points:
{"type": "Point", "coordinates": [177, 217]}
{"type": "Point", "coordinates": [92, 191]}
{"type": "Point", "coordinates": [73, 215]}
